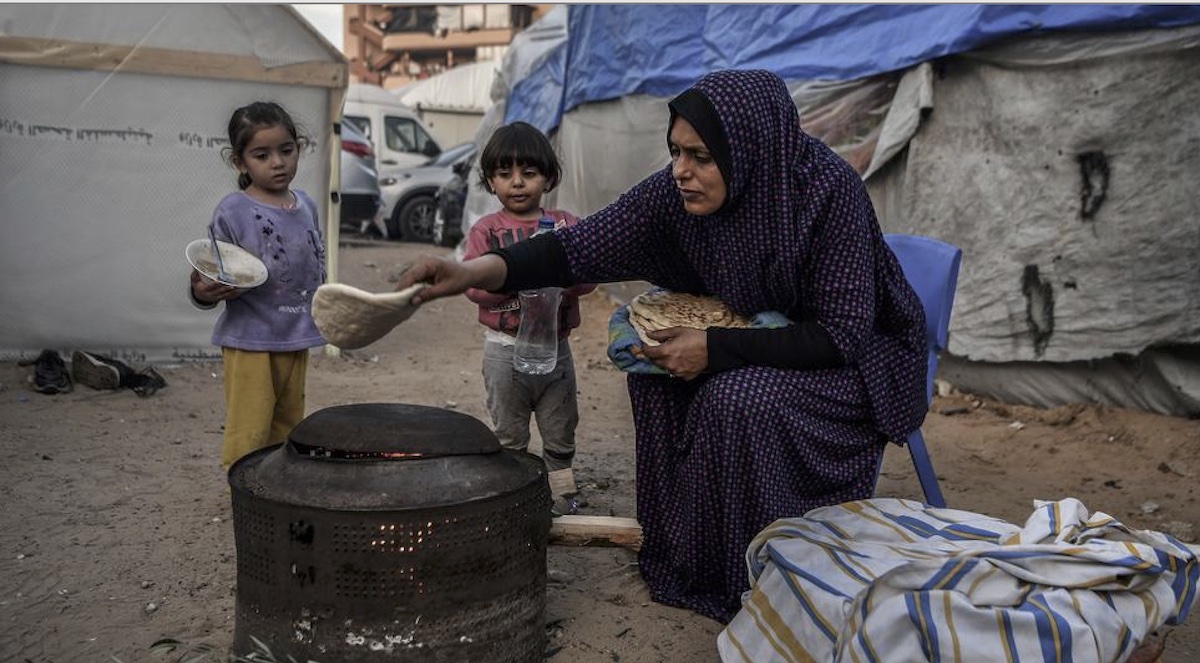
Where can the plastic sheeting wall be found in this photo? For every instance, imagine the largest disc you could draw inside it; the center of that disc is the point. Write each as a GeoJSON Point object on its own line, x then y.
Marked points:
{"type": "Point", "coordinates": [618, 50]}
{"type": "Point", "coordinates": [1070, 190]}
{"type": "Point", "coordinates": [110, 161]}
{"type": "Point", "coordinates": [100, 196]}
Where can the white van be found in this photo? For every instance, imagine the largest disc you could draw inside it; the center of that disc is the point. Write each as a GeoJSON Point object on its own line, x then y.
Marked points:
{"type": "Point", "coordinates": [401, 140]}
{"type": "Point", "coordinates": [403, 144]}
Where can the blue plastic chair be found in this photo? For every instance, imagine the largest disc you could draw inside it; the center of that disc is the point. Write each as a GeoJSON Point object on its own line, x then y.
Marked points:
{"type": "Point", "coordinates": [931, 267]}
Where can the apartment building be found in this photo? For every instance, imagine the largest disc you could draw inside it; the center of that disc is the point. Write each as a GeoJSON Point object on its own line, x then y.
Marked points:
{"type": "Point", "coordinates": [394, 45]}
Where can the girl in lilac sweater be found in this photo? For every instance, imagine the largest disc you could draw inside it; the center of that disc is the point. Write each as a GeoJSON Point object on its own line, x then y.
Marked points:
{"type": "Point", "coordinates": [265, 332]}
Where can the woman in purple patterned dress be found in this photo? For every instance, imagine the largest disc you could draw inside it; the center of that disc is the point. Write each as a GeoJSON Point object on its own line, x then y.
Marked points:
{"type": "Point", "coordinates": [753, 424]}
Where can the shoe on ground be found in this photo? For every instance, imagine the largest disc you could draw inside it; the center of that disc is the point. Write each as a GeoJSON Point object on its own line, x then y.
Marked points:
{"type": "Point", "coordinates": [50, 374]}
{"type": "Point", "coordinates": [94, 371]}
{"type": "Point", "coordinates": [564, 506]}
{"type": "Point", "coordinates": [146, 381]}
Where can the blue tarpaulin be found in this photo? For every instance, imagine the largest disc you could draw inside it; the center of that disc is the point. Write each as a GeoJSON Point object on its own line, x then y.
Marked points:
{"type": "Point", "coordinates": [616, 50]}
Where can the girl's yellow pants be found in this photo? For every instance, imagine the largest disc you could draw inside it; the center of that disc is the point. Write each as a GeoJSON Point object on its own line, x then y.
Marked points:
{"type": "Point", "coordinates": [264, 399]}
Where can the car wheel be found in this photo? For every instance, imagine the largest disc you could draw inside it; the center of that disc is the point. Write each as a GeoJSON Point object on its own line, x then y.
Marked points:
{"type": "Point", "coordinates": [415, 219]}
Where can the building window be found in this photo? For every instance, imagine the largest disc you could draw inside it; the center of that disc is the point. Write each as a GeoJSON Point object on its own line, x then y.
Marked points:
{"type": "Point", "coordinates": [413, 19]}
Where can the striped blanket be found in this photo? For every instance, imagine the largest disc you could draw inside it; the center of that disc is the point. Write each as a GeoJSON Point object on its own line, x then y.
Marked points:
{"type": "Point", "coordinates": [894, 580]}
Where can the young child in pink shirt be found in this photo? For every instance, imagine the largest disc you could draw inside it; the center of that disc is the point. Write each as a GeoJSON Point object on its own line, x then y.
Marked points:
{"type": "Point", "coordinates": [518, 166]}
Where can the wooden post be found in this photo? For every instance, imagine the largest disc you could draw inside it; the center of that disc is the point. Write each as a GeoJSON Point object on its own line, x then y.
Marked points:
{"type": "Point", "coordinates": [596, 531]}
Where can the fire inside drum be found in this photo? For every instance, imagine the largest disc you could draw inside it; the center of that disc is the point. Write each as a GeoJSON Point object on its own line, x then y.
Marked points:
{"type": "Point", "coordinates": [388, 532]}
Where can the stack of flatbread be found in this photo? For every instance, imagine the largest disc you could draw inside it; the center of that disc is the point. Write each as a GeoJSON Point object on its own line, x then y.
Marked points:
{"type": "Point", "coordinates": [350, 318]}
{"type": "Point", "coordinates": [657, 310]}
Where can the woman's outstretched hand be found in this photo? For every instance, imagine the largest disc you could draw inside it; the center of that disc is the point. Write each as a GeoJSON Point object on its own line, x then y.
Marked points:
{"type": "Point", "coordinates": [447, 276]}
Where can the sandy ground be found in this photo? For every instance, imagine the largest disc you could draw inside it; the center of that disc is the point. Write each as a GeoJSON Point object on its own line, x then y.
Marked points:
{"type": "Point", "coordinates": [116, 528]}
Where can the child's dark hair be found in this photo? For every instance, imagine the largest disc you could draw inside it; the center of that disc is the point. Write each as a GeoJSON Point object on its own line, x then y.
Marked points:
{"type": "Point", "coordinates": [519, 144]}
{"type": "Point", "coordinates": [250, 118]}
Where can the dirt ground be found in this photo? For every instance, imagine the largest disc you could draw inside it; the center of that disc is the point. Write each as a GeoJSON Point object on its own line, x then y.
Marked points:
{"type": "Point", "coordinates": [116, 525]}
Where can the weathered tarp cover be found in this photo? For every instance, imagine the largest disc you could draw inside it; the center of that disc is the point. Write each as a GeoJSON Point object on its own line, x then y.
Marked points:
{"type": "Point", "coordinates": [618, 50]}
{"type": "Point", "coordinates": [1054, 143]}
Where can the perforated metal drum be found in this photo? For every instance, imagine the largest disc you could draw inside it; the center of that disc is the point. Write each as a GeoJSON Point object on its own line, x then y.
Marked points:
{"type": "Point", "coordinates": [390, 532]}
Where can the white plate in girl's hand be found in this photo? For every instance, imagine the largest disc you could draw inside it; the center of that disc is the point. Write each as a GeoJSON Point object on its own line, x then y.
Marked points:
{"type": "Point", "coordinates": [243, 268]}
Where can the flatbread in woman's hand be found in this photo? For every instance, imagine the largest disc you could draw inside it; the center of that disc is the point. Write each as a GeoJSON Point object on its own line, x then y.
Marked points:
{"type": "Point", "coordinates": [350, 318]}
{"type": "Point", "coordinates": [660, 309]}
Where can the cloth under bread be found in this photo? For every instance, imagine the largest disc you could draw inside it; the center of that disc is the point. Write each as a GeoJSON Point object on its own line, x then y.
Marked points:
{"type": "Point", "coordinates": [624, 337]}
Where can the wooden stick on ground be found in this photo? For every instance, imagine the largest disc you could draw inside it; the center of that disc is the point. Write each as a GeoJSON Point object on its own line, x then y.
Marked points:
{"type": "Point", "coordinates": [596, 531]}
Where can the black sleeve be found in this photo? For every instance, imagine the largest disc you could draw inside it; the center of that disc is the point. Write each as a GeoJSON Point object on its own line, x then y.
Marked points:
{"type": "Point", "coordinates": [537, 262]}
{"type": "Point", "coordinates": [802, 345]}
{"type": "Point", "coordinates": [541, 261]}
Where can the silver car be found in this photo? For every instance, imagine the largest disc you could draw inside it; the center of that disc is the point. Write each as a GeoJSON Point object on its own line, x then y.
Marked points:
{"type": "Point", "coordinates": [361, 202]}
{"type": "Point", "coordinates": [409, 194]}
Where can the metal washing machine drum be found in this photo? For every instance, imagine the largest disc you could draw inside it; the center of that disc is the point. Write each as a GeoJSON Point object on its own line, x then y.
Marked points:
{"type": "Point", "coordinates": [391, 532]}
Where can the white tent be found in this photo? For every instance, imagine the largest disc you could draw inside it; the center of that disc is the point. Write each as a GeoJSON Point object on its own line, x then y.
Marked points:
{"type": "Point", "coordinates": [453, 102]}
{"type": "Point", "coordinates": [1053, 143]}
{"type": "Point", "coordinates": [112, 120]}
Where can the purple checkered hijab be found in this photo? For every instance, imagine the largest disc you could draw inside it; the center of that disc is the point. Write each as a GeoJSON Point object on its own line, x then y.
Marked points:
{"type": "Point", "coordinates": [753, 251]}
